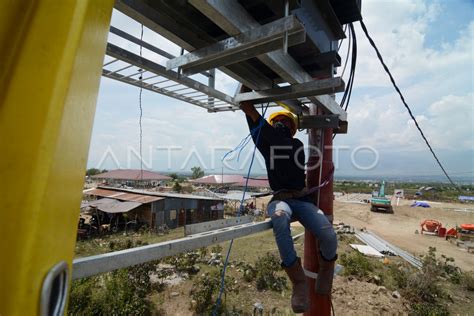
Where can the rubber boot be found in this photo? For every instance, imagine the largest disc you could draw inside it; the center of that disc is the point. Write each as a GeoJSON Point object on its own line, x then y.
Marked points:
{"type": "Point", "coordinates": [300, 297]}
{"type": "Point", "coordinates": [325, 276]}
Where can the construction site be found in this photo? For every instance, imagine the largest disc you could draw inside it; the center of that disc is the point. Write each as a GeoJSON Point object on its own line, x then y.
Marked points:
{"type": "Point", "coordinates": [267, 87]}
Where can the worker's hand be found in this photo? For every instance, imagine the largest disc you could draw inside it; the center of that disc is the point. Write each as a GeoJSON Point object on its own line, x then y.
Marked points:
{"type": "Point", "coordinates": [246, 106]}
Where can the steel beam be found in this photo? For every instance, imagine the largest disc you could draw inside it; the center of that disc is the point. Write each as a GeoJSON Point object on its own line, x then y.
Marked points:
{"type": "Point", "coordinates": [217, 224]}
{"type": "Point", "coordinates": [162, 24]}
{"type": "Point", "coordinates": [139, 42]}
{"type": "Point", "coordinates": [230, 16]}
{"type": "Point", "coordinates": [318, 121]}
{"type": "Point", "coordinates": [89, 266]}
{"type": "Point", "coordinates": [150, 87]}
{"type": "Point", "coordinates": [129, 57]}
{"type": "Point", "coordinates": [293, 91]}
{"type": "Point", "coordinates": [241, 47]}
{"type": "Point", "coordinates": [144, 44]}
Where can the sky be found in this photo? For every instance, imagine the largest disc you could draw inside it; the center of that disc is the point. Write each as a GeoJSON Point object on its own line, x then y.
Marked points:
{"type": "Point", "coordinates": [428, 47]}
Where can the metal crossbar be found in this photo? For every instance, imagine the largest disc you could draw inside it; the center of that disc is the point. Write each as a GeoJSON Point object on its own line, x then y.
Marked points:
{"type": "Point", "coordinates": [94, 265]}
{"type": "Point", "coordinates": [241, 47]}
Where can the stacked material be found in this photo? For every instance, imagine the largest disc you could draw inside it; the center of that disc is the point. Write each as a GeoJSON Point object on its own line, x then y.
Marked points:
{"type": "Point", "coordinates": [386, 248]}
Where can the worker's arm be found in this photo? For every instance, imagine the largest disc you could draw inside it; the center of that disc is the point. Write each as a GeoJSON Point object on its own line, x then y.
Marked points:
{"type": "Point", "coordinates": [250, 110]}
{"type": "Point", "coordinates": [267, 132]}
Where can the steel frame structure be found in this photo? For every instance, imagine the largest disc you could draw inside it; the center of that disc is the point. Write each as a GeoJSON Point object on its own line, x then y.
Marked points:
{"type": "Point", "coordinates": [244, 39]}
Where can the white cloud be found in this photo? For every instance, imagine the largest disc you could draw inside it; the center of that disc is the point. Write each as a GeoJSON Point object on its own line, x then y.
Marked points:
{"type": "Point", "coordinates": [436, 82]}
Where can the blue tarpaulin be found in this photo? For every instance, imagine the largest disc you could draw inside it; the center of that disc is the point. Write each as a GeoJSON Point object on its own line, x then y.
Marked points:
{"type": "Point", "coordinates": [466, 198]}
{"type": "Point", "coordinates": [420, 204]}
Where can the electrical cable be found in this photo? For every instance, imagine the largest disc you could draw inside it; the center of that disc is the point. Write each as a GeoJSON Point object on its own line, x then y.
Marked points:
{"type": "Point", "coordinates": [340, 43]}
{"type": "Point", "coordinates": [350, 82]}
{"type": "Point", "coordinates": [371, 41]}
{"type": "Point", "coordinates": [224, 269]}
{"type": "Point", "coordinates": [347, 54]}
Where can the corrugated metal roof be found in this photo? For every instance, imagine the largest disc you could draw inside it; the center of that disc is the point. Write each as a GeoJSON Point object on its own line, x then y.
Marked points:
{"type": "Point", "coordinates": [118, 207]}
{"type": "Point", "coordinates": [255, 183]}
{"type": "Point", "coordinates": [124, 196]}
{"type": "Point", "coordinates": [232, 179]}
{"type": "Point", "coordinates": [158, 195]}
{"type": "Point", "coordinates": [131, 174]}
{"type": "Point", "coordinates": [112, 205]}
{"type": "Point", "coordinates": [219, 179]}
{"type": "Point", "coordinates": [96, 203]}
{"type": "Point", "coordinates": [237, 195]}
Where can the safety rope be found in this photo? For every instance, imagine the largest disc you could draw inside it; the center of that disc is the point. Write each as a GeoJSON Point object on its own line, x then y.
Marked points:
{"type": "Point", "coordinates": [255, 130]}
{"type": "Point", "coordinates": [312, 190]}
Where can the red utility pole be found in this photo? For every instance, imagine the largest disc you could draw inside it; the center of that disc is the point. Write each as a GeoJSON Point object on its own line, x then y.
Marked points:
{"type": "Point", "coordinates": [322, 139]}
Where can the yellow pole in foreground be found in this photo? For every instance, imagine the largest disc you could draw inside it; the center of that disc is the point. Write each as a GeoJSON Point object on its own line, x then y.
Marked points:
{"type": "Point", "coordinates": [51, 54]}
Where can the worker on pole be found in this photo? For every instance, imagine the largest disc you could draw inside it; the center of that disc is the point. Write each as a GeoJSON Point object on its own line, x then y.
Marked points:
{"type": "Point", "coordinates": [285, 160]}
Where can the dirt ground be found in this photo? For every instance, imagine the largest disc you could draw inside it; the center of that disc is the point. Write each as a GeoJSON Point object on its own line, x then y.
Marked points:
{"type": "Point", "coordinates": [350, 296]}
{"type": "Point", "coordinates": [399, 228]}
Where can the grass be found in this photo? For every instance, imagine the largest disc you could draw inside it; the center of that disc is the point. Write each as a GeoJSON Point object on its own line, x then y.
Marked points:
{"type": "Point", "coordinates": [246, 249]}
{"type": "Point", "coordinates": [98, 245]}
{"type": "Point", "coordinates": [439, 288]}
{"type": "Point", "coordinates": [452, 292]}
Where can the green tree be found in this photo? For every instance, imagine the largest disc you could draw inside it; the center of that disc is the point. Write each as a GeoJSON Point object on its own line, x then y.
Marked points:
{"type": "Point", "coordinates": [177, 187]}
{"type": "Point", "coordinates": [94, 171]}
{"type": "Point", "coordinates": [197, 172]}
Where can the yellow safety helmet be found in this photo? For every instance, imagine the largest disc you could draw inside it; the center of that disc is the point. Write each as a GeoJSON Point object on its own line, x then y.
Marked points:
{"type": "Point", "coordinates": [287, 114]}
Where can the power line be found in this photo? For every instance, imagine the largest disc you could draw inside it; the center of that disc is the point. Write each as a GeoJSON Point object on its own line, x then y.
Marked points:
{"type": "Point", "coordinates": [141, 110]}
{"type": "Point", "coordinates": [371, 41]}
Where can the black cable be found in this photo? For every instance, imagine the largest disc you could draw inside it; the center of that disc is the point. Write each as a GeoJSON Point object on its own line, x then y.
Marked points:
{"type": "Point", "coordinates": [350, 82]}
{"type": "Point", "coordinates": [347, 54]}
{"type": "Point", "coordinates": [141, 110]}
{"type": "Point", "coordinates": [332, 307]}
{"type": "Point", "coordinates": [347, 94]}
{"type": "Point", "coordinates": [364, 28]}
{"type": "Point", "coordinates": [340, 44]}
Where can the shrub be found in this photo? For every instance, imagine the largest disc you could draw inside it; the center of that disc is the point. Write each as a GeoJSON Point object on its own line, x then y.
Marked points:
{"type": "Point", "coordinates": [119, 295]}
{"type": "Point", "coordinates": [428, 309]}
{"type": "Point", "coordinates": [356, 264]}
{"type": "Point", "coordinates": [467, 280]}
{"type": "Point", "coordinates": [425, 288]}
{"type": "Point", "coordinates": [249, 271]}
{"type": "Point", "coordinates": [122, 292]}
{"type": "Point", "coordinates": [216, 249]}
{"type": "Point", "coordinates": [185, 262]}
{"type": "Point", "coordinates": [121, 244]}
{"type": "Point", "coordinates": [206, 289]}
{"type": "Point", "coordinates": [265, 273]}
{"type": "Point", "coordinates": [400, 275]}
